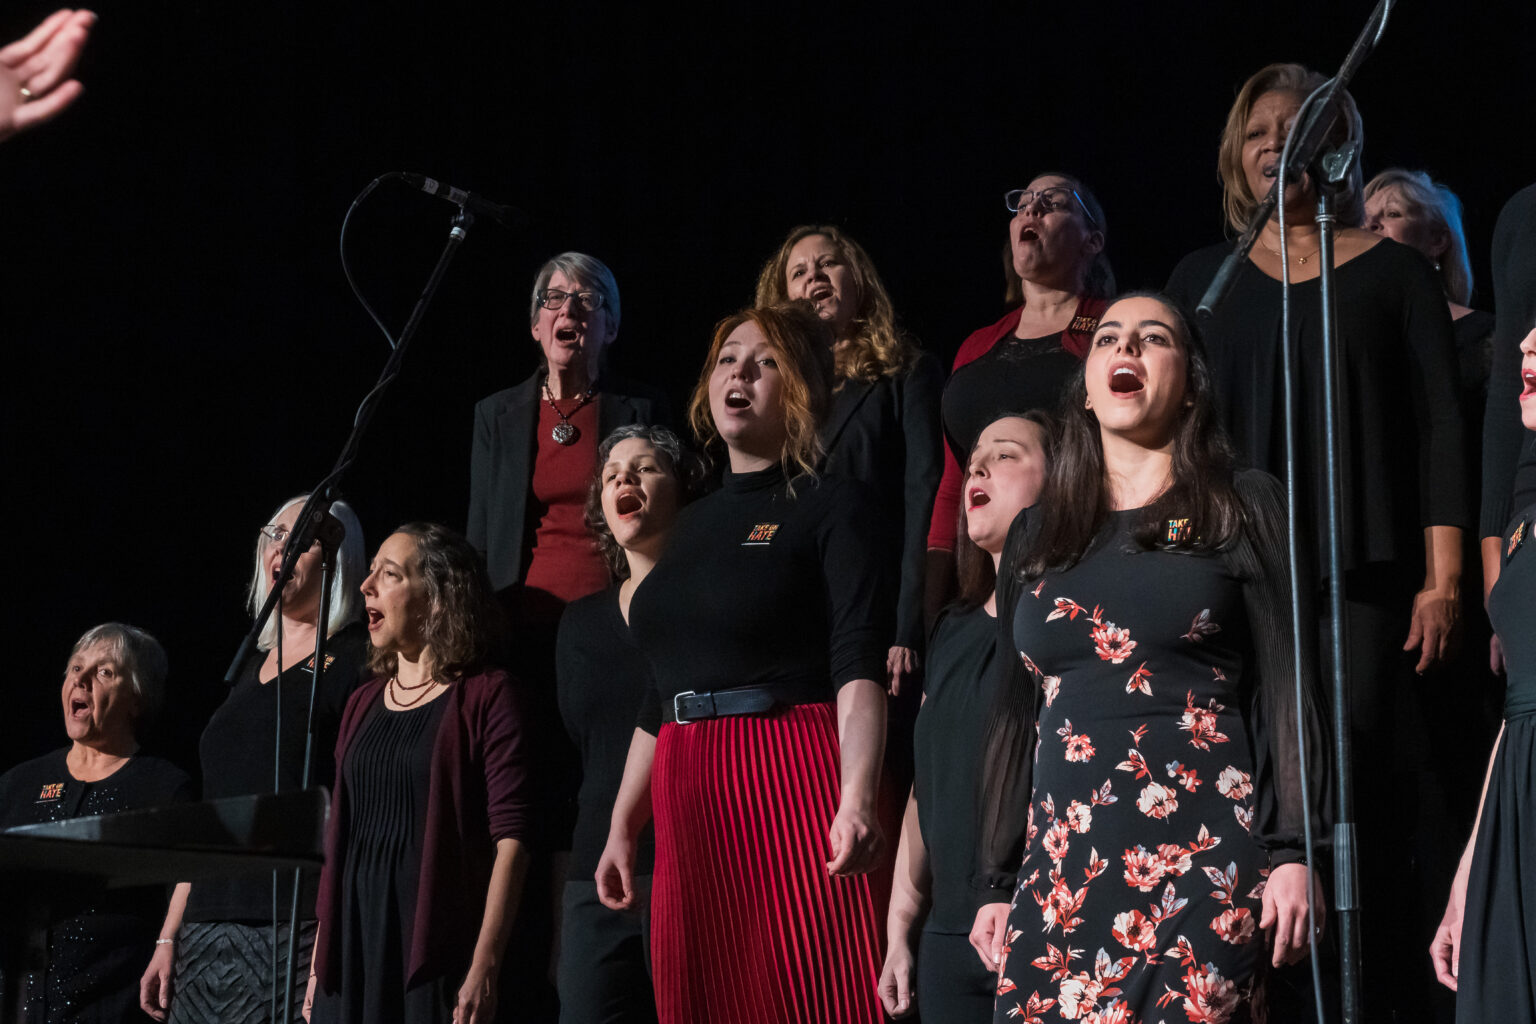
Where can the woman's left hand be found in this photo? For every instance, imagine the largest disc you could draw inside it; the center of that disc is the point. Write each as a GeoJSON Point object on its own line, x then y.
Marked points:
{"type": "Point", "coordinates": [477, 996]}
{"type": "Point", "coordinates": [856, 840]}
{"type": "Point", "coordinates": [900, 666]}
{"type": "Point", "coordinates": [1285, 911]}
{"type": "Point", "coordinates": [1435, 627]}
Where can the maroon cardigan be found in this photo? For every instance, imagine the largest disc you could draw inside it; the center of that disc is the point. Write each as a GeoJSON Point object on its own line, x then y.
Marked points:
{"type": "Point", "coordinates": [480, 793]}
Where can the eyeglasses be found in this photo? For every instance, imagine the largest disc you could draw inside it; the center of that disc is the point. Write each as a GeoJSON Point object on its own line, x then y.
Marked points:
{"type": "Point", "coordinates": [1049, 200]}
{"type": "Point", "coordinates": [275, 532]}
{"type": "Point", "coordinates": [588, 302]}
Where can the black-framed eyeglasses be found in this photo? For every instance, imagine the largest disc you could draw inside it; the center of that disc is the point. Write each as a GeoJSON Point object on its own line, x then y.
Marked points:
{"type": "Point", "coordinates": [1048, 200]}
{"type": "Point", "coordinates": [587, 302]}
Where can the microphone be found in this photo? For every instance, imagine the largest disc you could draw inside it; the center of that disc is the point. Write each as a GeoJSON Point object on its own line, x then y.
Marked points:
{"type": "Point", "coordinates": [507, 216]}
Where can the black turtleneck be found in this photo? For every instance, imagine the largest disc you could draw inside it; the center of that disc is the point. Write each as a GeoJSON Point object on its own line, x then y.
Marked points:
{"type": "Point", "coordinates": [761, 587]}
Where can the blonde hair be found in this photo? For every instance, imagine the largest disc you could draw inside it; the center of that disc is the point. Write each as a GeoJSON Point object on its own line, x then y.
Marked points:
{"type": "Point", "coordinates": [877, 348]}
{"type": "Point", "coordinates": [802, 342]}
{"type": "Point", "coordinates": [1442, 208]}
{"type": "Point", "coordinates": [1237, 202]}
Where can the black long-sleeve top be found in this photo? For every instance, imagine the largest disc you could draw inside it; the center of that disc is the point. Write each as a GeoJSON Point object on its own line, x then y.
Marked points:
{"type": "Point", "coordinates": [601, 680]}
{"type": "Point", "coordinates": [237, 750]}
{"type": "Point", "coordinates": [886, 433]}
{"type": "Point", "coordinates": [1257, 557]}
{"type": "Point", "coordinates": [759, 587]}
{"type": "Point", "coordinates": [961, 656]}
{"type": "Point", "coordinates": [1400, 429]}
{"type": "Point", "coordinates": [1509, 450]}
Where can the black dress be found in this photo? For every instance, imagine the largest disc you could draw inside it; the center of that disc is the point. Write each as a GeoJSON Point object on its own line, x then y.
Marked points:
{"type": "Point", "coordinates": [952, 985]}
{"type": "Point", "coordinates": [604, 974]}
{"type": "Point", "coordinates": [224, 949]}
{"type": "Point", "coordinates": [388, 772]}
{"type": "Point", "coordinates": [98, 944]}
{"type": "Point", "coordinates": [1509, 450]}
{"type": "Point", "coordinates": [1402, 469]}
{"type": "Point", "coordinates": [1497, 980]}
{"type": "Point", "coordinates": [1165, 780]}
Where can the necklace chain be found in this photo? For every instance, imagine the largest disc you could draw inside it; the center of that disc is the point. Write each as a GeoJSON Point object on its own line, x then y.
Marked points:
{"type": "Point", "coordinates": [425, 686]}
{"type": "Point", "coordinates": [1301, 260]}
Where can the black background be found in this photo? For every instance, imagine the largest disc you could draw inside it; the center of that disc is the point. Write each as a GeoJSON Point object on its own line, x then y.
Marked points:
{"type": "Point", "coordinates": [184, 353]}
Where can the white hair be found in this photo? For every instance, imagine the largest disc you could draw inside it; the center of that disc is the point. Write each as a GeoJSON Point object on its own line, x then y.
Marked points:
{"type": "Point", "coordinates": [351, 565]}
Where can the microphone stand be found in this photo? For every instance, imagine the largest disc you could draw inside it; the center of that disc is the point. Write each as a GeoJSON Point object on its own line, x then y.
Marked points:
{"type": "Point", "coordinates": [314, 521]}
{"type": "Point", "coordinates": [1305, 149]}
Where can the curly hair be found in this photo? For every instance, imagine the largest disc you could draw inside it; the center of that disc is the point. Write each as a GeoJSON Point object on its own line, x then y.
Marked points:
{"type": "Point", "coordinates": [876, 348]}
{"type": "Point", "coordinates": [687, 472]}
{"type": "Point", "coordinates": [802, 341]}
{"type": "Point", "coordinates": [1237, 201]}
{"type": "Point", "coordinates": [463, 623]}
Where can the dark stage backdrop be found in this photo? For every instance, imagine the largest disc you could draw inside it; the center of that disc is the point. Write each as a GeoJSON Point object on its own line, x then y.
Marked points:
{"type": "Point", "coordinates": [184, 352]}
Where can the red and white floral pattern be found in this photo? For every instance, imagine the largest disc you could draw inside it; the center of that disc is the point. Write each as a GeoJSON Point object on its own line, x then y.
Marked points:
{"type": "Point", "coordinates": [1169, 895]}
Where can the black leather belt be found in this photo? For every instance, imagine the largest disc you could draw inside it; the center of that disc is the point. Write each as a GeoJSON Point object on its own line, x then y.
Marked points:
{"type": "Point", "coordinates": [745, 700]}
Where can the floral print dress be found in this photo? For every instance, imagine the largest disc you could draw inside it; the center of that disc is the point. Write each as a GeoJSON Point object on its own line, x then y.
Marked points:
{"type": "Point", "coordinates": [1139, 896]}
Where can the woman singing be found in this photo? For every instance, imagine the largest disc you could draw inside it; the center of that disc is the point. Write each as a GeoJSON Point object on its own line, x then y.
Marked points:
{"type": "Point", "coordinates": [425, 852]}
{"type": "Point", "coordinates": [644, 478]}
{"type": "Point", "coordinates": [1056, 242]}
{"type": "Point", "coordinates": [929, 965]}
{"type": "Point", "coordinates": [759, 750]}
{"type": "Point", "coordinates": [1147, 763]}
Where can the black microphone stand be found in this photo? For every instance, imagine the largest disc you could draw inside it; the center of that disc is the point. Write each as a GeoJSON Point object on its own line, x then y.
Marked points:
{"type": "Point", "coordinates": [1304, 149]}
{"type": "Point", "coordinates": [314, 523]}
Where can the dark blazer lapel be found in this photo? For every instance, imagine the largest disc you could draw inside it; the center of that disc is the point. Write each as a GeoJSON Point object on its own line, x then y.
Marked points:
{"type": "Point", "coordinates": [844, 410]}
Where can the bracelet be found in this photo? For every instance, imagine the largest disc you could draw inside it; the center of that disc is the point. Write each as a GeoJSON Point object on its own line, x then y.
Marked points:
{"type": "Point", "coordinates": [164, 942]}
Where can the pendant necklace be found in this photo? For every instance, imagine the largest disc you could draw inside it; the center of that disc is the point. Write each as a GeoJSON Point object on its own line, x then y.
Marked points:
{"type": "Point", "coordinates": [565, 432]}
{"type": "Point", "coordinates": [1300, 260]}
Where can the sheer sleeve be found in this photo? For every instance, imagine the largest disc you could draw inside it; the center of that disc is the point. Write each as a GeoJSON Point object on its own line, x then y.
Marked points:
{"type": "Point", "coordinates": [1283, 754]}
{"type": "Point", "coordinates": [1007, 743]}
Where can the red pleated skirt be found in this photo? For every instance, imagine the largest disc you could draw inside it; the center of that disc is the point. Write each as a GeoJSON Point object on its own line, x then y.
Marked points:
{"type": "Point", "coordinates": [747, 926]}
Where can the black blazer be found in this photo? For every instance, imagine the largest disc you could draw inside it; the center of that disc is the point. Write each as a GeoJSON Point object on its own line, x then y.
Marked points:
{"type": "Point", "coordinates": [887, 434]}
{"type": "Point", "coordinates": [501, 464]}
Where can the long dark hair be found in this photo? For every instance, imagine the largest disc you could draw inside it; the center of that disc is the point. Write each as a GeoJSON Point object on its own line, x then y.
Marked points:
{"type": "Point", "coordinates": [1074, 505]}
{"type": "Point", "coordinates": [973, 566]}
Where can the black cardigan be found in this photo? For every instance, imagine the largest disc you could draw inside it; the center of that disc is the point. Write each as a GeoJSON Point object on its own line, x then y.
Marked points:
{"type": "Point", "coordinates": [501, 463]}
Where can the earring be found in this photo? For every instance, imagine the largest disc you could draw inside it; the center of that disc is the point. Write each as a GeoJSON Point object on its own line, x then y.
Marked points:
{"type": "Point", "coordinates": [1087, 403]}
{"type": "Point", "coordinates": [1437, 266]}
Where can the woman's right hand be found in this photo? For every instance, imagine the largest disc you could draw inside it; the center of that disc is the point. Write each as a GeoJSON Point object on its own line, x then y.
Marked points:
{"type": "Point", "coordinates": [989, 933]}
{"type": "Point", "coordinates": [1445, 949]}
{"type": "Point", "coordinates": [155, 986]}
{"type": "Point", "coordinates": [896, 980]}
{"type": "Point", "coordinates": [615, 874]}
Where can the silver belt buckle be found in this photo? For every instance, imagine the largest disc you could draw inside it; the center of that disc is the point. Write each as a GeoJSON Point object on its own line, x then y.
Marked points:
{"type": "Point", "coordinates": [677, 712]}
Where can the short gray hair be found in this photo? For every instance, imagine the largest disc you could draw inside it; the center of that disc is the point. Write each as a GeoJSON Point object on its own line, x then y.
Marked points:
{"type": "Point", "coordinates": [140, 657]}
{"type": "Point", "coordinates": [351, 567]}
{"type": "Point", "coordinates": [587, 271]}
